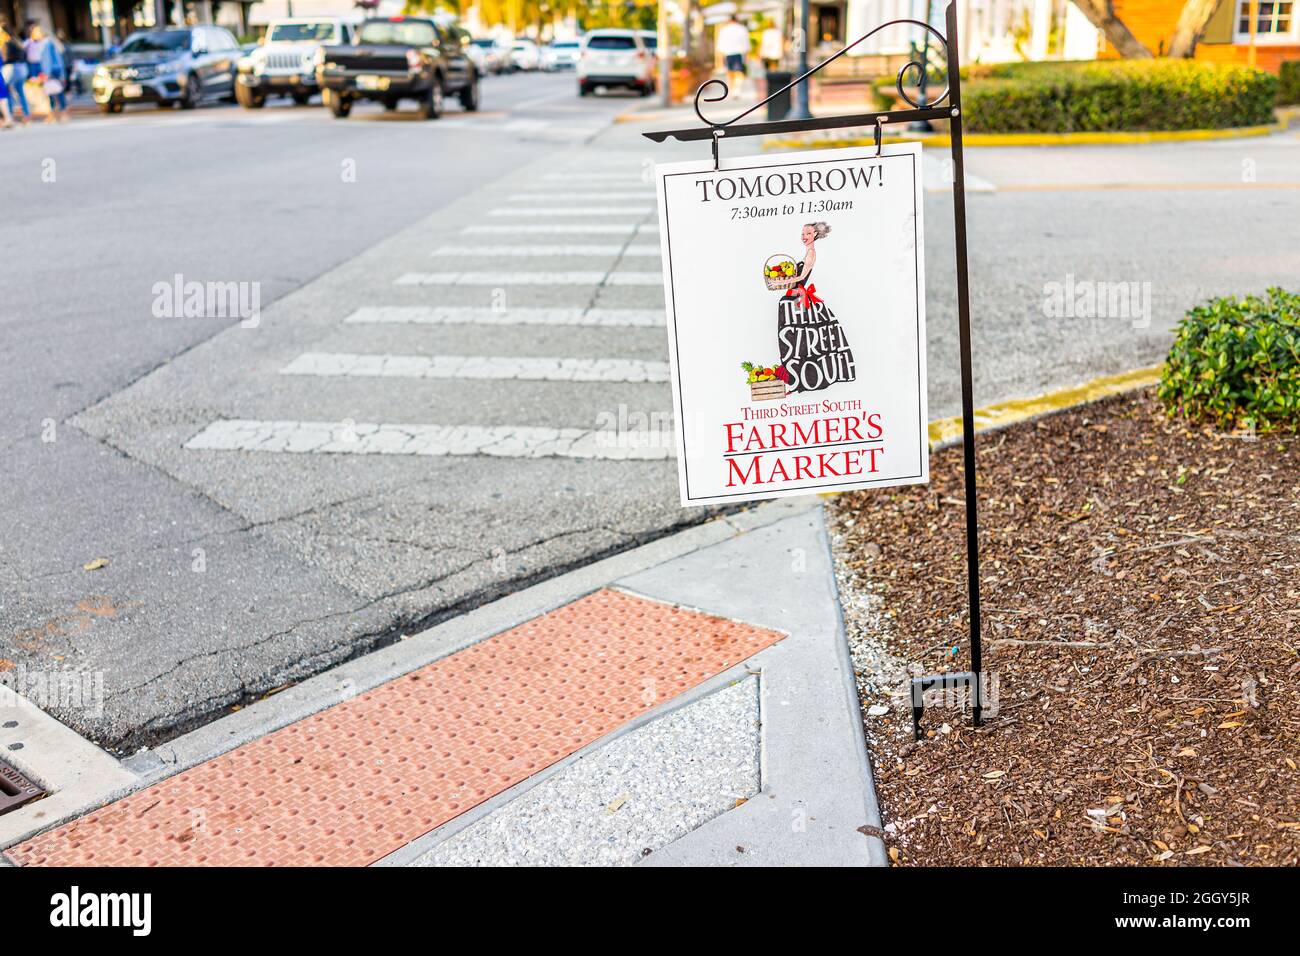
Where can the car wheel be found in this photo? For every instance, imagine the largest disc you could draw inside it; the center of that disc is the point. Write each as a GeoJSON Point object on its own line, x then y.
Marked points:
{"type": "Point", "coordinates": [111, 106]}
{"type": "Point", "coordinates": [432, 106]}
{"type": "Point", "coordinates": [584, 89]}
{"type": "Point", "coordinates": [302, 99]}
{"type": "Point", "coordinates": [190, 98]}
{"type": "Point", "coordinates": [390, 105]}
{"type": "Point", "coordinates": [469, 95]}
{"type": "Point", "coordinates": [339, 105]}
{"type": "Point", "coordinates": [248, 98]}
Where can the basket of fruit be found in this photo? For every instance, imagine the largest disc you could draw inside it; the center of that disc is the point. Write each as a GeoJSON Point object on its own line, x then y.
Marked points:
{"type": "Point", "coordinates": [766, 382]}
{"type": "Point", "coordinates": [779, 274]}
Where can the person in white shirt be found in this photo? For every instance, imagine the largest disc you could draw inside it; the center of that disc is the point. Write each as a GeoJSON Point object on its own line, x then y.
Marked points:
{"type": "Point", "coordinates": [733, 44]}
{"type": "Point", "coordinates": [771, 47]}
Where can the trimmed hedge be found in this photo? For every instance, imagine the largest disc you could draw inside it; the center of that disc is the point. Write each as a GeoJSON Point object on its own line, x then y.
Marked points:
{"type": "Point", "coordinates": [1237, 362]}
{"type": "Point", "coordinates": [1115, 95]}
{"type": "Point", "coordinates": [1288, 88]}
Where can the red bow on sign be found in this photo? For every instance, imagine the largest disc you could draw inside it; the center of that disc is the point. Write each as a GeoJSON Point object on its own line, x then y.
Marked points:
{"type": "Point", "coordinates": [807, 296]}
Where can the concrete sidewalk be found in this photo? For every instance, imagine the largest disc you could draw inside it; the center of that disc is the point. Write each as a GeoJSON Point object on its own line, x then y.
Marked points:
{"type": "Point", "coordinates": [689, 702]}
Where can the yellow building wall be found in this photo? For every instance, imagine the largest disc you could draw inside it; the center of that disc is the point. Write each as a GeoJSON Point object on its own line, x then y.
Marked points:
{"type": "Point", "coordinates": [1153, 22]}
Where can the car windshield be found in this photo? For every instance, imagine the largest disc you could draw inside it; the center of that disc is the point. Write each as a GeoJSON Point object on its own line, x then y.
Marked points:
{"type": "Point", "coordinates": [485, 43]}
{"type": "Point", "coordinates": [168, 41]}
{"type": "Point", "coordinates": [611, 43]}
{"type": "Point", "coordinates": [301, 32]}
{"type": "Point", "coordinates": [564, 45]}
{"type": "Point", "coordinates": [401, 32]}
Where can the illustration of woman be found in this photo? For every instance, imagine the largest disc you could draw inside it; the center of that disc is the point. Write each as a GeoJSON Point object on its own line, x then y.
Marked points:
{"type": "Point", "coordinates": [813, 348]}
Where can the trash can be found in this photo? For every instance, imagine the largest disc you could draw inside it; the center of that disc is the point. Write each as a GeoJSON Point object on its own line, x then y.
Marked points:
{"type": "Point", "coordinates": [779, 108]}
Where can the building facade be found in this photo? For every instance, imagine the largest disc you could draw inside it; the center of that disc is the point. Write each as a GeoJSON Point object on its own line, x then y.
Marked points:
{"type": "Point", "coordinates": [990, 31]}
{"type": "Point", "coordinates": [1227, 37]}
{"type": "Point", "coordinates": [72, 20]}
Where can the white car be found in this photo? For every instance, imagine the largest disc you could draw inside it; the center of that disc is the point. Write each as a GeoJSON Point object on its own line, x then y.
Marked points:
{"type": "Point", "coordinates": [615, 59]}
{"type": "Point", "coordinates": [561, 55]}
{"type": "Point", "coordinates": [283, 64]}
{"type": "Point", "coordinates": [496, 57]}
{"type": "Point", "coordinates": [524, 55]}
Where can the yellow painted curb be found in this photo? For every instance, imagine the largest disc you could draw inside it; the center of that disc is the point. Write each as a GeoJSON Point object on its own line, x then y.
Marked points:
{"type": "Point", "coordinates": [1020, 409]}
{"type": "Point", "coordinates": [1041, 139]}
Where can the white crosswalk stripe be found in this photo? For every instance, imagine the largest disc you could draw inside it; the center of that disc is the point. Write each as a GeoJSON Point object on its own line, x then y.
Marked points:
{"type": "Point", "coordinates": [563, 229]}
{"type": "Point", "coordinates": [373, 438]}
{"type": "Point", "coordinates": [520, 368]}
{"type": "Point", "coordinates": [449, 315]}
{"type": "Point", "coordinates": [606, 211]}
{"type": "Point", "coordinates": [632, 175]}
{"type": "Point", "coordinates": [530, 278]}
{"type": "Point", "coordinates": [545, 250]}
{"type": "Point", "coordinates": [590, 195]}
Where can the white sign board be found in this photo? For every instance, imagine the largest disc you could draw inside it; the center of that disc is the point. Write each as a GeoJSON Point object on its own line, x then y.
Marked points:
{"type": "Point", "coordinates": [795, 290]}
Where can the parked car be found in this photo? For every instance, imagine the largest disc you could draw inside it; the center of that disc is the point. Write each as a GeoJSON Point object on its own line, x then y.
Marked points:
{"type": "Point", "coordinates": [184, 65]}
{"type": "Point", "coordinates": [525, 55]}
{"type": "Point", "coordinates": [496, 57]}
{"type": "Point", "coordinates": [399, 58]}
{"type": "Point", "coordinates": [561, 55]}
{"type": "Point", "coordinates": [615, 59]}
{"type": "Point", "coordinates": [284, 63]}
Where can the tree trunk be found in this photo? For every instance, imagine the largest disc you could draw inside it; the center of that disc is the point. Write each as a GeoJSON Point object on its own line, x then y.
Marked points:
{"type": "Point", "coordinates": [1101, 13]}
{"type": "Point", "coordinates": [1191, 25]}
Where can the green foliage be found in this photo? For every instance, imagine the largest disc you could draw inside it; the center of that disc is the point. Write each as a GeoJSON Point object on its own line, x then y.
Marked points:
{"type": "Point", "coordinates": [1288, 87]}
{"type": "Point", "coordinates": [1237, 362]}
{"type": "Point", "coordinates": [1115, 95]}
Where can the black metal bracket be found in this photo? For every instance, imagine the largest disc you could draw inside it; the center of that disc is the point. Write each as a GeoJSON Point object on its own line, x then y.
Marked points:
{"type": "Point", "coordinates": [965, 683]}
{"type": "Point", "coordinates": [946, 106]}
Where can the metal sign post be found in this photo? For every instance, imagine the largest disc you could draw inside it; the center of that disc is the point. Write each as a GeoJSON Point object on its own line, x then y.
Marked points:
{"type": "Point", "coordinates": [945, 106]}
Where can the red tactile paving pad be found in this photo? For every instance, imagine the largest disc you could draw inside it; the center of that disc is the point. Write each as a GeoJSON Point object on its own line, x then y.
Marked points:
{"type": "Point", "coordinates": [357, 781]}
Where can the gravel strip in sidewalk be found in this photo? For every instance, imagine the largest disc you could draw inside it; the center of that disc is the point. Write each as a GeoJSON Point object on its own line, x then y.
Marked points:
{"type": "Point", "coordinates": [629, 797]}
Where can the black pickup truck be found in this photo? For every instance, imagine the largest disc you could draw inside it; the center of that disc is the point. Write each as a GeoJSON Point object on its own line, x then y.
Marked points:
{"type": "Point", "coordinates": [399, 58]}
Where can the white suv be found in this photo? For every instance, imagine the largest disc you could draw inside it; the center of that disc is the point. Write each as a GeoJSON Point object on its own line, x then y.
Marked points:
{"type": "Point", "coordinates": [615, 58]}
{"type": "Point", "coordinates": [284, 63]}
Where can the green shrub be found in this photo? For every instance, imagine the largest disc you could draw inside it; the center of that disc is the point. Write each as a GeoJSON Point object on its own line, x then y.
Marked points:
{"type": "Point", "coordinates": [1237, 362]}
{"type": "Point", "coordinates": [1103, 95]}
{"type": "Point", "coordinates": [1288, 85]}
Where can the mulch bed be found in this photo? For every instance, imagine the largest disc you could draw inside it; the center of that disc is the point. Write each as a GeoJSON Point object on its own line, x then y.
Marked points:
{"type": "Point", "coordinates": [1141, 592]}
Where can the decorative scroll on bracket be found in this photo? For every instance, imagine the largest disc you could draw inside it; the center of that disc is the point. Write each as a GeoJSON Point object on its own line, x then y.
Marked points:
{"type": "Point", "coordinates": [909, 65]}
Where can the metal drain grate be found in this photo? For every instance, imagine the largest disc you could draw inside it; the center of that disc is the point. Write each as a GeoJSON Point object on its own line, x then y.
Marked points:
{"type": "Point", "coordinates": [15, 789]}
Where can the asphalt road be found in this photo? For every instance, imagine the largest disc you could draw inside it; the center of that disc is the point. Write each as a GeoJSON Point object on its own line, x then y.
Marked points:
{"type": "Point", "coordinates": [236, 565]}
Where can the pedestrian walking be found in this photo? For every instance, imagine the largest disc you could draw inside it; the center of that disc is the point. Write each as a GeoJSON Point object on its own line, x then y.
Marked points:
{"type": "Point", "coordinates": [14, 73]}
{"type": "Point", "coordinates": [733, 44]}
{"type": "Point", "coordinates": [51, 72]}
{"type": "Point", "coordinates": [771, 47]}
{"type": "Point", "coordinates": [6, 117]}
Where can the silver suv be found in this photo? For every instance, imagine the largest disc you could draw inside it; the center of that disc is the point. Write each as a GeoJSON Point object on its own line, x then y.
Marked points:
{"type": "Point", "coordinates": [184, 65]}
